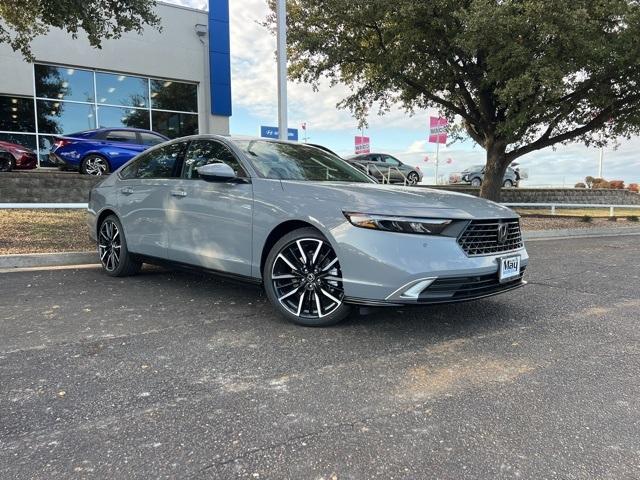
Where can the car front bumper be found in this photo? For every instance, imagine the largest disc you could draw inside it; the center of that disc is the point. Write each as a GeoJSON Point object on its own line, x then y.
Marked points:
{"type": "Point", "coordinates": [378, 267]}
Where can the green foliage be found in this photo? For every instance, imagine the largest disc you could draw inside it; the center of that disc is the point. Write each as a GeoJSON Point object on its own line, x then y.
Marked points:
{"type": "Point", "coordinates": [520, 74]}
{"type": "Point", "coordinates": [23, 20]}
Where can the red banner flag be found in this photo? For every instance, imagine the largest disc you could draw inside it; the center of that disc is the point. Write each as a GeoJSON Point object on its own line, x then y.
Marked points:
{"type": "Point", "coordinates": [438, 129]}
{"type": "Point", "coordinates": [362, 145]}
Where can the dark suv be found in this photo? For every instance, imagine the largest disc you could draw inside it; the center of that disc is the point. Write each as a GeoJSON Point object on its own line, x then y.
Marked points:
{"type": "Point", "coordinates": [386, 168]}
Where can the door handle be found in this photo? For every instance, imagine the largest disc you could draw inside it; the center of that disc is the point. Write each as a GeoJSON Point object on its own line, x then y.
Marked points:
{"type": "Point", "coordinates": [178, 193]}
{"type": "Point", "coordinates": [126, 191]}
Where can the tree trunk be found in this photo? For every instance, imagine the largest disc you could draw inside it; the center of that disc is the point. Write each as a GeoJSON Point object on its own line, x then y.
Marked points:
{"type": "Point", "coordinates": [494, 172]}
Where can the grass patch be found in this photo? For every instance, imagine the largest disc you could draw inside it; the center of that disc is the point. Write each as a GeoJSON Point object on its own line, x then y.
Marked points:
{"type": "Point", "coordinates": [42, 231]}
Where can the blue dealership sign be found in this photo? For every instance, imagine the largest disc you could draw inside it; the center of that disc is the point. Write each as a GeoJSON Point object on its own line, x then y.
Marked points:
{"type": "Point", "coordinates": [272, 132]}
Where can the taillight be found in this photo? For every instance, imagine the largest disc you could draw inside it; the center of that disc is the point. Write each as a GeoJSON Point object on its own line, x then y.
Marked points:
{"type": "Point", "coordinates": [61, 142]}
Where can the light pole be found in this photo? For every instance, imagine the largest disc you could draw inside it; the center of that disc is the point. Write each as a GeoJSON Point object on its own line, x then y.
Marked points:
{"type": "Point", "coordinates": [281, 15]}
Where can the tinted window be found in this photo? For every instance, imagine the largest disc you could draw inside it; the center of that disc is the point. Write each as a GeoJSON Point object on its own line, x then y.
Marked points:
{"type": "Point", "coordinates": [170, 95]}
{"type": "Point", "coordinates": [64, 117]}
{"type": "Point", "coordinates": [204, 152]}
{"type": "Point", "coordinates": [64, 83]}
{"type": "Point", "coordinates": [391, 161]}
{"type": "Point", "coordinates": [158, 163]}
{"type": "Point", "coordinates": [123, 136]}
{"type": "Point", "coordinates": [123, 117]}
{"type": "Point", "coordinates": [16, 114]}
{"type": "Point", "coordinates": [151, 139]}
{"type": "Point", "coordinates": [122, 90]}
{"type": "Point", "coordinates": [175, 125]}
{"type": "Point", "coordinates": [290, 161]}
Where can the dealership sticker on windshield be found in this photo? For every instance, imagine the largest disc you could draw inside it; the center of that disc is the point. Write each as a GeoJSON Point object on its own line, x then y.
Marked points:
{"type": "Point", "coordinates": [509, 268]}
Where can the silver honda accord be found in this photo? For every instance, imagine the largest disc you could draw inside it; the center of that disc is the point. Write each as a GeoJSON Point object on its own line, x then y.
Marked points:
{"type": "Point", "coordinates": [318, 233]}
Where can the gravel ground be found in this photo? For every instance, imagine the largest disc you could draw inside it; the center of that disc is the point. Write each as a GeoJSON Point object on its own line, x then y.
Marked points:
{"type": "Point", "coordinates": [560, 223]}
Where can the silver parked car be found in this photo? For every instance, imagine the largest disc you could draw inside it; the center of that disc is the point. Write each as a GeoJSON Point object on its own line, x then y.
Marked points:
{"type": "Point", "coordinates": [319, 234]}
{"type": "Point", "coordinates": [385, 168]}
{"type": "Point", "coordinates": [475, 175]}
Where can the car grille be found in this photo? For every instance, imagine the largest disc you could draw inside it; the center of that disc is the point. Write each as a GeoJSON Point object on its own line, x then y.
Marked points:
{"type": "Point", "coordinates": [481, 237]}
{"type": "Point", "coordinates": [466, 288]}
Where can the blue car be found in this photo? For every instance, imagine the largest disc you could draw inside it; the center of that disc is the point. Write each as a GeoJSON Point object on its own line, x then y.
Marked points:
{"type": "Point", "coordinates": [99, 152]}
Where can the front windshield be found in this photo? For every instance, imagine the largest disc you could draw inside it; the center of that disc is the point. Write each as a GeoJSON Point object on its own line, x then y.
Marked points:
{"type": "Point", "coordinates": [290, 161]}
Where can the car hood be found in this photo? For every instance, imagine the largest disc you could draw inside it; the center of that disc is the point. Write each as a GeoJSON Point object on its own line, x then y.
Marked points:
{"type": "Point", "coordinates": [397, 200]}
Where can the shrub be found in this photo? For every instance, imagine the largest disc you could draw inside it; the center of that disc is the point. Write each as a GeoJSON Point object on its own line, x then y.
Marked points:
{"type": "Point", "coordinates": [632, 218]}
{"type": "Point", "coordinates": [600, 183]}
{"type": "Point", "coordinates": [580, 185]}
{"type": "Point", "coordinates": [617, 184]}
{"type": "Point", "coordinates": [634, 187]}
{"type": "Point", "coordinates": [589, 181]}
{"type": "Point", "coordinates": [613, 219]}
{"type": "Point", "coordinates": [586, 218]}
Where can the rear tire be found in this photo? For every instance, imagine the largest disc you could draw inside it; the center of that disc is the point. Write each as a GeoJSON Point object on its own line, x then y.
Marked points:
{"type": "Point", "coordinates": [303, 279]}
{"type": "Point", "coordinates": [507, 184]}
{"type": "Point", "coordinates": [476, 182]}
{"type": "Point", "coordinates": [112, 249]}
{"type": "Point", "coordinates": [95, 165]}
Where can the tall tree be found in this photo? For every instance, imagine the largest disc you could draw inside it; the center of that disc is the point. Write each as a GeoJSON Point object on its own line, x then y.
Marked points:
{"type": "Point", "coordinates": [23, 20]}
{"type": "Point", "coordinates": [517, 75]}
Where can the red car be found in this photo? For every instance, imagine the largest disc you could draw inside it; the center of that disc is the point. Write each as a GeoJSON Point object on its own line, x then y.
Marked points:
{"type": "Point", "coordinates": [23, 158]}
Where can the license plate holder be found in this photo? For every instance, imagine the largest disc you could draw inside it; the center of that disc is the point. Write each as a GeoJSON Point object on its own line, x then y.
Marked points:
{"type": "Point", "coordinates": [509, 268]}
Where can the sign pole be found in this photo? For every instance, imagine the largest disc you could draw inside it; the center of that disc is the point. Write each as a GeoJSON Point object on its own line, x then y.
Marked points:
{"type": "Point", "coordinates": [437, 158]}
{"type": "Point", "coordinates": [282, 69]}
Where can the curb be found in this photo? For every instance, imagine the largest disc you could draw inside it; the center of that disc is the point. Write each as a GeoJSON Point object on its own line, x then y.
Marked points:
{"type": "Point", "coordinates": [580, 232]}
{"type": "Point", "coordinates": [48, 259]}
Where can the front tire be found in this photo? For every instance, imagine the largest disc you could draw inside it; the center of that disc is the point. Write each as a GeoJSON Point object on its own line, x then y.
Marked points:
{"type": "Point", "coordinates": [303, 279]}
{"type": "Point", "coordinates": [476, 182]}
{"type": "Point", "coordinates": [507, 184]}
{"type": "Point", "coordinates": [95, 165]}
{"type": "Point", "coordinates": [413, 178]}
{"type": "Point", "coordinates": [112, 249]}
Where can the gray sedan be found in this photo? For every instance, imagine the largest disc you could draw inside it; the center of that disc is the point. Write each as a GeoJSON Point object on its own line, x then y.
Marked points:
{"type": "Point", "coordinates": [385, 168]}
{"type": "Point", "coordinates": [318, 233]}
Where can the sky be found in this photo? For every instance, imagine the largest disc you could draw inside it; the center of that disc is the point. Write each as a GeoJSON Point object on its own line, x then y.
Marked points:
{"type": "Point", "coordinates": [254, 91]}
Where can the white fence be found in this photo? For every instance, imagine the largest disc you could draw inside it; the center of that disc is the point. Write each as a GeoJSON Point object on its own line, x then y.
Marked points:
{"type": "Point", "coordinates": [554, 207]}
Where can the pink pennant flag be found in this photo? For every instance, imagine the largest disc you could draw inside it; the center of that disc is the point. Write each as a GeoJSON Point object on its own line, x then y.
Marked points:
{"type": "Point", "coordinates": [438, 129]}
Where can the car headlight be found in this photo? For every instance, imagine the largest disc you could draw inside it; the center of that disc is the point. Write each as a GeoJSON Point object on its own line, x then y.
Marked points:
{"type": "Point", "coordinates": [424, 226]}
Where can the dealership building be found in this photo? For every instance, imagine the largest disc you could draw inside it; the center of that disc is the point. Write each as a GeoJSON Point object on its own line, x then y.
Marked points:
{"type": "Point", "coordinates": [175, 81]}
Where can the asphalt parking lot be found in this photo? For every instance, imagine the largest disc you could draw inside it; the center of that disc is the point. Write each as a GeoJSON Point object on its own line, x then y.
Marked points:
{"type": "Point", "coordinates": [177, 375]}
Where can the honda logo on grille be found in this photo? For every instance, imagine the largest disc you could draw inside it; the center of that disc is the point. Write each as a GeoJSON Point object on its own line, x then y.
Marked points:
{"type": "Point", "coordinates": [503, 232]}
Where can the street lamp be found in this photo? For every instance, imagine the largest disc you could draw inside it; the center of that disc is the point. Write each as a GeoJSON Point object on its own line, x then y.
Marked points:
{"type": "Point", "coordinates": [281, 17]}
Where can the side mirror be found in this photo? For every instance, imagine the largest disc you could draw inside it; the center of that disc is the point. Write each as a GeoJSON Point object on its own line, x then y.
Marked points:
{"type": "Point", "coordinates": [216, 172]}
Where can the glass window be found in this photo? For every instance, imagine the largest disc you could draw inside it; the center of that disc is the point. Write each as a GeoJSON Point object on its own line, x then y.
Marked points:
{"type": "Point", "coordinates": [123, 117]}
{"type": "Point", "coordinates": [16, 114]}
{"type": "Point", "coordinates": [27, 141]}
{"type": "Point", "coordinates": [64, 83]}
{"type": "Point", "coordinates": [65, 117]}
{"type": "Point", "coordinates": [174, 125]}
{"type": "Point", "coordinates": [169, 95]}
{"type": "Point", "coordinates": [389, 160]}
{"type": "Point", "coordinates": [157, 163]}
{"type": "Point", "coordinates": [288, 161]}
{"type": "Point", "coordinates": [45, 143]}
{"type": "Point", "coordinates": [151, 138]}
{"type": "Point", "coordinates": [123, 136]}
{"type": "Point", "coordinates": [204, 152]}
{"type": "Point", "coordinates": [122, 90]}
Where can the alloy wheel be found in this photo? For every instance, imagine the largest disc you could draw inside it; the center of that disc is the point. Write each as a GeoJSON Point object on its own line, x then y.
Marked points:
{"type": "Point", "coordinates": [306, 278]}
{"type": "Point", "coordinates": [109, 245]}
{"type": "Point", "coordinates": [96, 166]}
{"type": "Point", "coordinates": [412, 178]}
